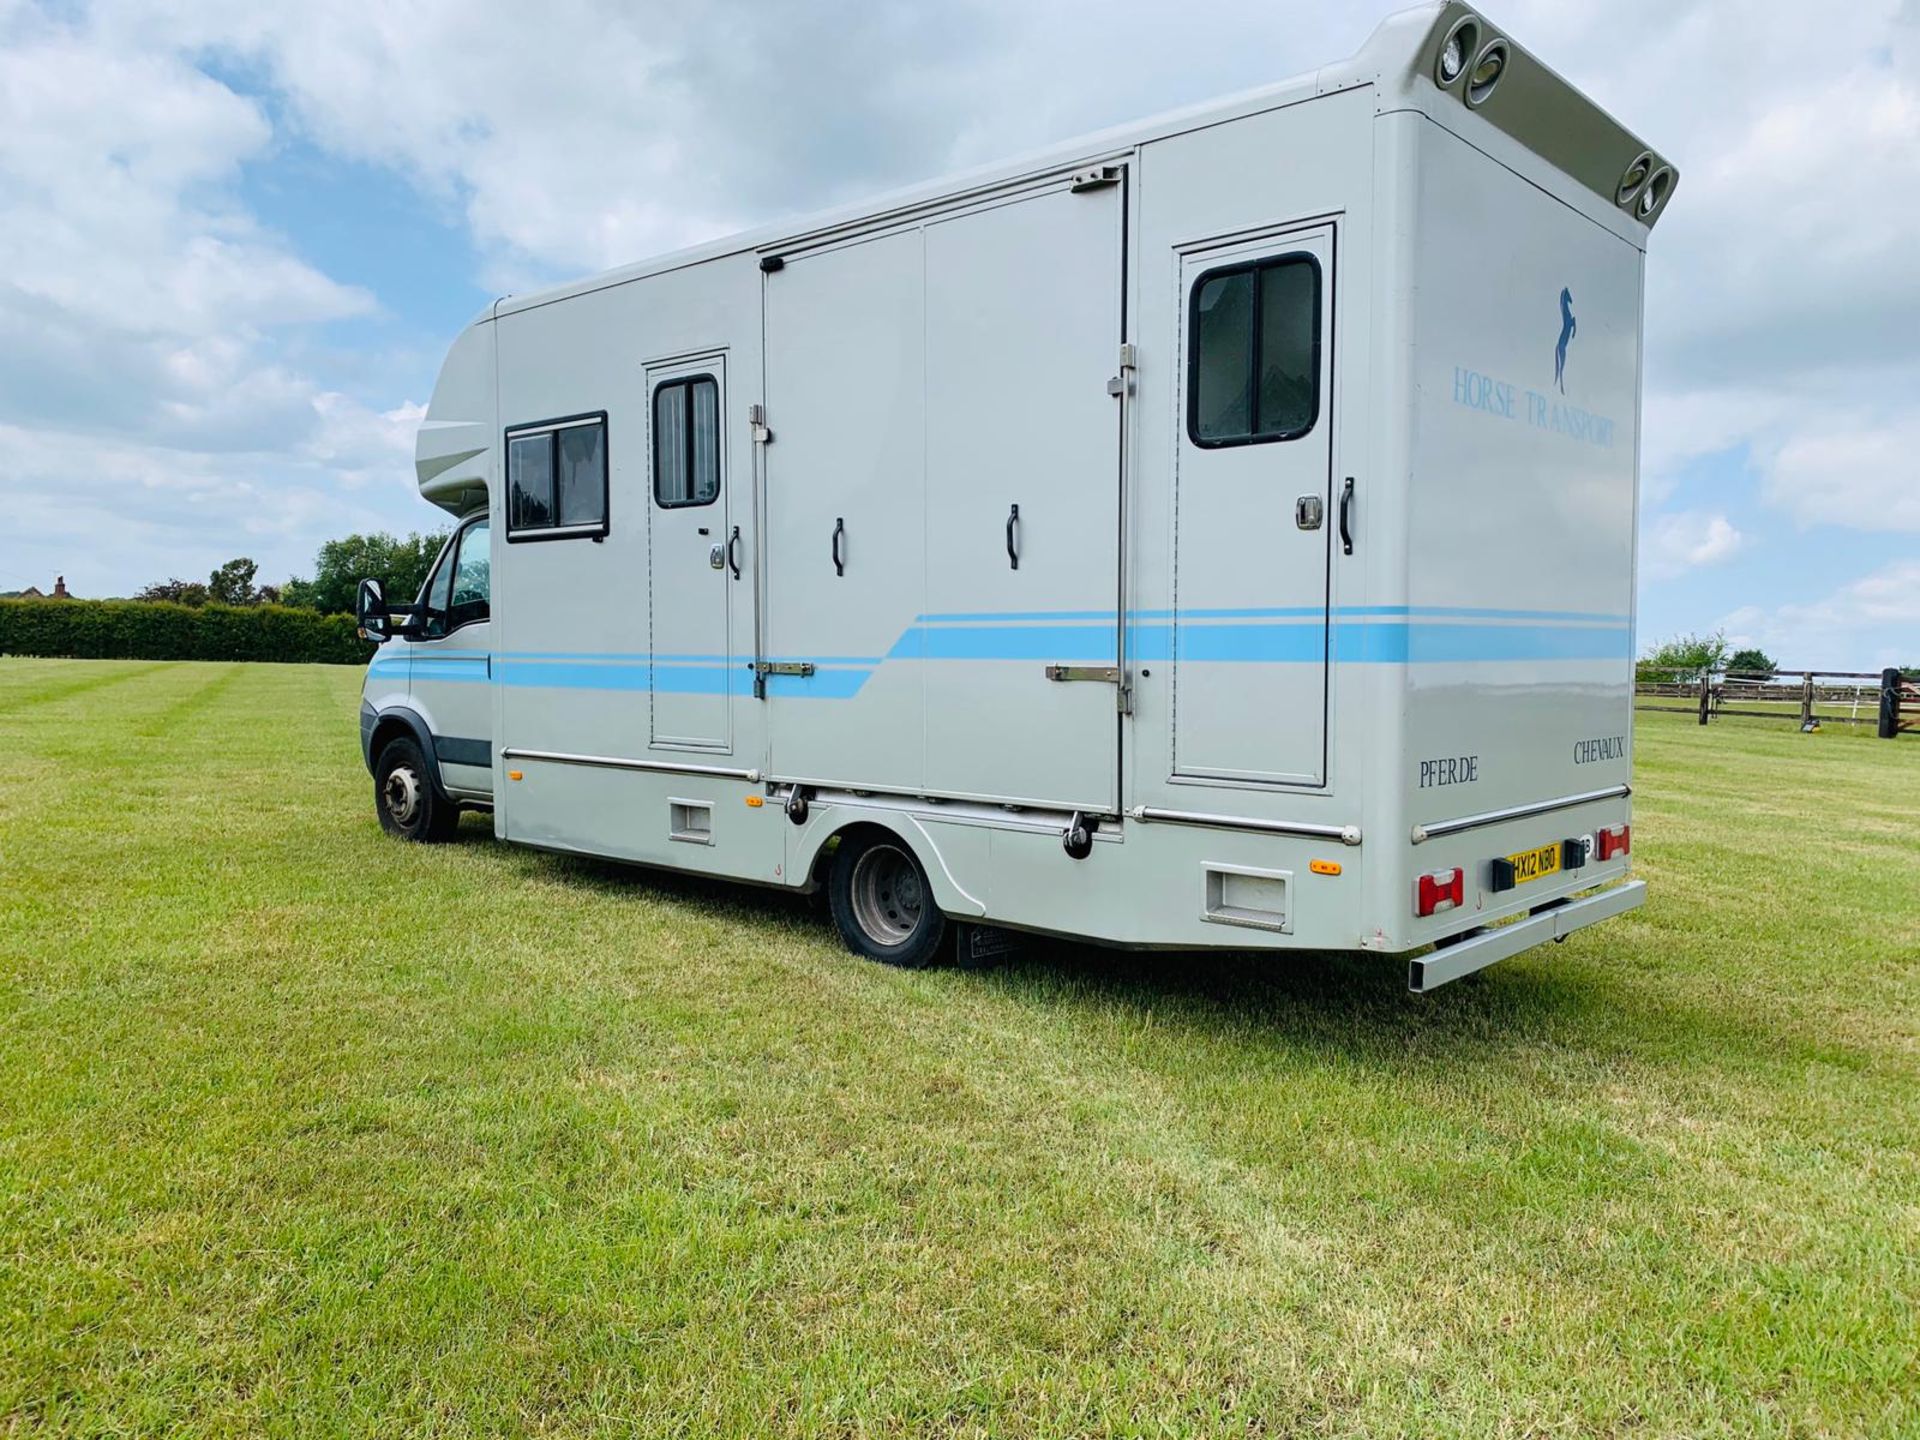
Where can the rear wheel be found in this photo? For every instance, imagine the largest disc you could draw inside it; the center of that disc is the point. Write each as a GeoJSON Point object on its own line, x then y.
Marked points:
{"type": "Point", "coordinates": [882, 903]}
{"type": "Point", "coordinates": [403, 793]}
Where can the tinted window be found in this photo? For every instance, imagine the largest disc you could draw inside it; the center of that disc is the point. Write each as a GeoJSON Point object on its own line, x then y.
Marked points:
{"type": "Point", "coordinates": [557, 479]}
{"type": "Point", "coordinates": [1223, 363]}
{"type": "Point", "coordinates": [686, 441]}
{"type": "Point", "coordinates": [1254, 371]}
{"type": "Point", "coordinates": [582, 491]}
{"type": "Point", "coordinates": [529, 481]}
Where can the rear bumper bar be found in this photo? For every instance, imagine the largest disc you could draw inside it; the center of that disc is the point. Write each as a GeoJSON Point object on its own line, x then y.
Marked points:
{"type": "Point", "coordinates": [1479, 950]}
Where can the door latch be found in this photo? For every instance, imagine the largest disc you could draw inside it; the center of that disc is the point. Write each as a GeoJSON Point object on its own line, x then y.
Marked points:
{"type": "Point", "coordinates": [1309, 512]}
{"type": "Point", "coordinates": [717, 557]}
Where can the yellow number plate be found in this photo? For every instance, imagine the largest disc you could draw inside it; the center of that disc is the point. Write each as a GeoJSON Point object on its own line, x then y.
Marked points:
{"type": "Point", "coordinates": [1533, 864]}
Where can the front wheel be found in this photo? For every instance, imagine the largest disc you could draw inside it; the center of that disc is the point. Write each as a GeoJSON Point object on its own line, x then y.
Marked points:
{"type": "Point", "coordinates": [882, 903]}
{"type": "Point", "coordinates": [403, 793]}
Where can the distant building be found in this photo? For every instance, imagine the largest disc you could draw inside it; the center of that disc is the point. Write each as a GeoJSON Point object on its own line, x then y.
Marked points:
{"type": "Point", "coordinates": [34, 592]}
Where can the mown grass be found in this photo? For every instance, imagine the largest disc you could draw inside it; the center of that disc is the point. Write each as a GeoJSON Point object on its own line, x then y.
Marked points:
{"type": "Point", "coordinates": [306, 1132]}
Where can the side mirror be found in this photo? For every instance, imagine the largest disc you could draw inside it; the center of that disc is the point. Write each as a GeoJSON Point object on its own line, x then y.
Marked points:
{"type": "Point", "coordinates": [370, 611]}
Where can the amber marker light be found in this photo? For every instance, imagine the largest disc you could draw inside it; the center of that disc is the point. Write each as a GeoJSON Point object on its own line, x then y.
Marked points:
{"type": "Point", "coordinates": [1324, 867]}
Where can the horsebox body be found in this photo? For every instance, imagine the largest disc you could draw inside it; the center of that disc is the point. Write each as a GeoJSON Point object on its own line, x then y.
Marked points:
{"type": "Point", "coordinates": [1216, 532]}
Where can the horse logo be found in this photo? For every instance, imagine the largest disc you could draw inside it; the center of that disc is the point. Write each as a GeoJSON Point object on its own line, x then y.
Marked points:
{"type": "Point", "coordinates": [1567, 327]}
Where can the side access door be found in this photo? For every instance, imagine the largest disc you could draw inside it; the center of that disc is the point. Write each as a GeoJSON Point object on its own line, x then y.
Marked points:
{"type": "Point", "coordinates": [1255, 511]}
{"type": "Point", "coordinates": [694, 554]}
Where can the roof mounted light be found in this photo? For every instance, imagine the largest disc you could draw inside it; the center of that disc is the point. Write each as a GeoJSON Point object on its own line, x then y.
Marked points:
{"type": "Point", "coordinates": [1655, 195]}
{"type": "Point", "coordinates": [1633, 178]}
{"type": "Point", "coordinates": [1454, 51]}
{"type": "Point", "coordinates": [1488, 66]}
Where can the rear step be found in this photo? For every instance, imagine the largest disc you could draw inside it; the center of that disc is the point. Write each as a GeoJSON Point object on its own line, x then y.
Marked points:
{"type": "Point", "coordinates": [1479, 949]}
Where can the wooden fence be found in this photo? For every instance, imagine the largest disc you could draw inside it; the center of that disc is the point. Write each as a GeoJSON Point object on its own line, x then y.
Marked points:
{"type": "Point", "coordinates": [1883, 699]}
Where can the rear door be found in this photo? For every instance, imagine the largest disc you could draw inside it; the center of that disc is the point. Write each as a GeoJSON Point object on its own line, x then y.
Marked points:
{"type": "Point", "coordinates": [1255, 511]}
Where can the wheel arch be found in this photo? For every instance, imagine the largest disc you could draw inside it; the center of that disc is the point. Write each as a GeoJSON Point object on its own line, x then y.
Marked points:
{"type": "Point", "coordinates": [389, 725]}
{"type": "Point", "coordinates": [814, 847]}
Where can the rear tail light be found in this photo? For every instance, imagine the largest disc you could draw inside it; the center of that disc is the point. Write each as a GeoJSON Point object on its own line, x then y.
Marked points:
{"type": "Point", "coordinates": [1615, 842]}
{"type": "Point", "coordinates": [1440, 890]}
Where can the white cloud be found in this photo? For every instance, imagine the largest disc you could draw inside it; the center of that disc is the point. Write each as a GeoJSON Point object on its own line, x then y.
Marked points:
{"type": "Point", "coordinates": [112, 514]}
{"type": "Point", "coordinates": [1875, 619]}
{"type": "Point", "coordinates": [142, 303]}
{"type": "Point", "coordinates": [1687, 540]}
{"type": "Point", "coordinates": [1864, 475]}
{"type": "Point", "coordinates": [146, 411]}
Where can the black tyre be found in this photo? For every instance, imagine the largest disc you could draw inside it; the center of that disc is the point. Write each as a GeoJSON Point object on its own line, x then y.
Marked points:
{"type": "Point", "coordinates": [404, 794]}
{"type": "Point", "coordinates": [882, 903]}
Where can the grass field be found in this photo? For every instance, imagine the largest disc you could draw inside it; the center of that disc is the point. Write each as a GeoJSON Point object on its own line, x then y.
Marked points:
{"type": "Point", "coordinates": [306, 1132]}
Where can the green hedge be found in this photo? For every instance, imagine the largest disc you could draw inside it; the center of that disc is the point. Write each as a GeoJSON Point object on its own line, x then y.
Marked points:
{"type": "Point", "coordinates": [155, 630]}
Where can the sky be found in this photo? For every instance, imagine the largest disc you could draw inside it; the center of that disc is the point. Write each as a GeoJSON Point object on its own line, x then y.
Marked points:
{"type": "Point", "coordinates": [236, 239]}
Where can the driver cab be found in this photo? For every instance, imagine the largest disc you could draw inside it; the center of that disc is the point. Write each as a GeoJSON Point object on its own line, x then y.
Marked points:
{"type": "Point", "coordinates": [426, 714]}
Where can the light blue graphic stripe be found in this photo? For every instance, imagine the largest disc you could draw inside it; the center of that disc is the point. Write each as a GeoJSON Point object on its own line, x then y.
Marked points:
{"type": "Point", "coordinates": [1313, 612]}
{"type": "Point", "coordinates": [1378, 635]}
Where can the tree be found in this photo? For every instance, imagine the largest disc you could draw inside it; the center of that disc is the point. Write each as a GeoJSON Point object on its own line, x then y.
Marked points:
{"type": "Point", "coordinates": [232, 583]}
{"type": "Point", "coordinates": [1684, 658]}
{"type": "Point", "coordinates": [178, 592]}
{"type": "Point", "coordinates": [399, 564]}
{"type": "Point", "coordinates": [1752, 661]}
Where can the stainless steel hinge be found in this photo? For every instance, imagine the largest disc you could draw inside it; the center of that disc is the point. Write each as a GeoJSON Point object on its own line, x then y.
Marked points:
{"type": "Point", "coordinates": [757, 418]}
{"type": "Point", "coordinates": [1122, 384]}
{"type": "Point", "coordinates": [783, 667]}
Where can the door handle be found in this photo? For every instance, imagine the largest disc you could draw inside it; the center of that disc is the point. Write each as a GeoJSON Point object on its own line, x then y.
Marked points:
{"type": "Point", "coordinates": [839, 532]}
{"type": "Point", "coordinates": [1013, 542]}
{"type": "Point", "coordinates": [733, 552]}
{"type": "Point", "coordinates": [1346, 516]}
{"type": "Point", "coordinates": [716, 557]}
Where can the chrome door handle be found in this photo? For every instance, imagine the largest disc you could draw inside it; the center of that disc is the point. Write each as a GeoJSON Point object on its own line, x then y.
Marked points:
{"type": "Point", "coordinates": [717, 557]}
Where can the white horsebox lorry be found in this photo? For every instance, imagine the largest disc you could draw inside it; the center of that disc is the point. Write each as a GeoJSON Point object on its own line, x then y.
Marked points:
{"type": "Point", "coordinates": [1218, 532]}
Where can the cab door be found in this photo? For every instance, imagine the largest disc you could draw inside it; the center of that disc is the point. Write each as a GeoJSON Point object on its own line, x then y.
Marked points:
{"type": "Point", "coordinates": [1255, 511]}
{"type": "Point", "coordinates": [452, 663]}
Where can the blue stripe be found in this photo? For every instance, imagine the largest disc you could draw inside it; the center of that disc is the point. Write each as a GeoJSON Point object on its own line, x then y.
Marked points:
{"type": "Point", "coordinates": [1016, 642]}
{"type": "Point", "coordinates": [1358, 635]}
{"type": "Point", "coordinates": [1291, 612]}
